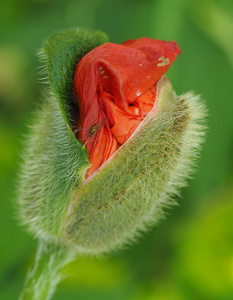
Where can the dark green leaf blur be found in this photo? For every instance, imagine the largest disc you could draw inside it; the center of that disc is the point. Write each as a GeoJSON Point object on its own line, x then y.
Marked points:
{"type": "Point", "coordinates": [190, 254]}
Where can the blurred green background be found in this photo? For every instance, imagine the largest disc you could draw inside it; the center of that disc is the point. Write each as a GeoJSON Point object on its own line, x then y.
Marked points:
{"type": "Point", "coordinates": [189, 255]}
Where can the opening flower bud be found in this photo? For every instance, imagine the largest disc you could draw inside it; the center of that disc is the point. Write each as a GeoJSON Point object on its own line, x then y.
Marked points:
{"type": "Point", "coordinates": [93, 181]}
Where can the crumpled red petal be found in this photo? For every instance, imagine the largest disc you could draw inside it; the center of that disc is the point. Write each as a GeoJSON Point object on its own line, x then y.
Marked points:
{"type": "Point", "coordinates": [115, 88]}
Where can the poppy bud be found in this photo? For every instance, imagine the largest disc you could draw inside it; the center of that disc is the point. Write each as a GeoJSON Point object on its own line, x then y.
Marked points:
{"type": "Point", "coordinates": [92, 179]}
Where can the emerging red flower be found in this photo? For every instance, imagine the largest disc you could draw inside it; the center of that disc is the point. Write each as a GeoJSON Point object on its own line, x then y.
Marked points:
{"type": "Point", "coordinates": [115, 88]}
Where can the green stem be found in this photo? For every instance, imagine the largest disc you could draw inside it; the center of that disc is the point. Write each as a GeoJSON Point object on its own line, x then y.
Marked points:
{"type": "Point", "coordinates": [43, 278]}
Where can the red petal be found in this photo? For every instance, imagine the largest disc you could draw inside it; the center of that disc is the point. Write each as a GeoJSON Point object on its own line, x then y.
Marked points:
{"type": "Point", "coordinates": [115, 86]}
{"type": "Point", "coordinates": [155, 48]}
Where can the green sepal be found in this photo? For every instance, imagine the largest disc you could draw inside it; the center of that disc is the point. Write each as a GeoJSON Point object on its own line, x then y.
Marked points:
{"type": "Point", "coordinates": [55, 162]}
{"type": "Point", "coordinates": [127, 195]}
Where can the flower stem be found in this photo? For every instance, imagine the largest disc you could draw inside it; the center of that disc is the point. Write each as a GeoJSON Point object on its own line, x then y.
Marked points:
{"type": "Point", "coordinates": [44, 276]}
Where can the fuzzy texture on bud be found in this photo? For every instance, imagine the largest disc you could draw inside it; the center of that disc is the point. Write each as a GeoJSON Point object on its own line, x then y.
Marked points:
{"type": "Point", "coordinates": [128, 192]}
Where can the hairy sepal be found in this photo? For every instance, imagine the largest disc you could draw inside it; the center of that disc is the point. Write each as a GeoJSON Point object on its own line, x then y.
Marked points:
{"type": "Point", "coordinates": [128, 193]}
{"type": "Point", "coordinates": [54, 161]}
